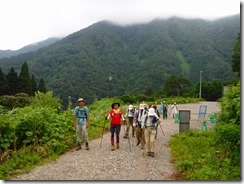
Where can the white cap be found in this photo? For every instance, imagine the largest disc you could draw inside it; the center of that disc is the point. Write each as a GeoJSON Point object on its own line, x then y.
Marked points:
{"type": "Point", "coordinates": [130, 107]}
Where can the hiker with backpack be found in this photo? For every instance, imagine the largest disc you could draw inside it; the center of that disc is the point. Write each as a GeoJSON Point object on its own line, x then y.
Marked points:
{"type": "Point", "coordinates": [174, 109]}
{"type": "Point", "coordinates": [116, 116]}
{"type": "Point", "coordinates": [165, 110]}
{"type": "Point", "coordinates": [158, 114]}
{"type": "Point", "coordinates": [129, 121]}
{"type": "Point", "coordinates": [81, 123]}
{"type": "Point", "coordinates": [149, 122]}
{"type": "Point", "coordinates": [137, 124]}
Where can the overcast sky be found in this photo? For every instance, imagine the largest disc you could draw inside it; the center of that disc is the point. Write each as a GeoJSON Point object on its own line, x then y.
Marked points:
{"type": "Point", "coordinates": [27, 21]}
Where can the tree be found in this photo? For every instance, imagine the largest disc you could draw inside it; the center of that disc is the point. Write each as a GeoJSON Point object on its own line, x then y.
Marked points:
{"type": "Point", "coordinates": [3, 83]}
{"type": "Point", "coordinates": [24, 80]}
{"type": "Point", "coordinates": [236, 57]}
{"type": "Point", "coordinates": [33, 85]}
{"type": "Point", "coordinates": [42, 87]}
{"type": "Point", "coordinates": [12, 78]}
{"type": "Point", "coordinates": [177, 86]}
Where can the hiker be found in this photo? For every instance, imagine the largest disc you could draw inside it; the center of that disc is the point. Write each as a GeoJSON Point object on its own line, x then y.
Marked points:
{"type": "Point", "coordinates": [137, 124]}
{"type": "Point", "coordinates": [149, 123]}
{"type": "Point", "coordinates": [165, 110]}
{"type": "Point", "coordinates": [115, 115]}
{"type": "Point", "coordinates": [129, 121]}
{"type": "Point", "coordinates": [158, 114]}
{"type": "Point", "coordinates": [174, 109]}
{"type": "Point", "coordinates": [81, 123]}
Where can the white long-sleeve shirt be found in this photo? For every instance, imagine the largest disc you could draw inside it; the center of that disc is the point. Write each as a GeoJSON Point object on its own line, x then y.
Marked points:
{"type": "Point", "coordinates": [147, 120]}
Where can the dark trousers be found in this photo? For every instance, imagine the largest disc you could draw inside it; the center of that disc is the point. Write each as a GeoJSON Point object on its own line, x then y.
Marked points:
{"type": "Point", "coordinates": [115, 129]}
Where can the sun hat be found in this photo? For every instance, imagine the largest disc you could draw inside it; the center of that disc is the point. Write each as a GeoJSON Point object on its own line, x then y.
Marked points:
{"type": "Point", "coordinates": [115, 103]}
{"type": "Point", "coordinates": [151, 112]}
{"type": "Point", "coordinates": [80, 100]}
{"type": "Point", "coordinates": [130, 107]}
{"type": "Point", "coordinates": [142, 106]}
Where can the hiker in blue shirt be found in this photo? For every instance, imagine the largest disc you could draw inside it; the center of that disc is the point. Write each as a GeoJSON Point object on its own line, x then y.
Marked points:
{"type": "Point", "coordinates": [81, 123]}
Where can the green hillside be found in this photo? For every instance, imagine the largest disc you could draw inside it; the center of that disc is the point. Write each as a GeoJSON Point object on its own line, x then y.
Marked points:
{"type": "Point", "coordinates": [137, 57]}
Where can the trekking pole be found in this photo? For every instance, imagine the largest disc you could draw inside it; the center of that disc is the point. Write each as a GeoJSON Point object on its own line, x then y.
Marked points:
{"type": "Point", "coordinates": [102, 133]}
{"type": "Point", "coordinates": [129, 141]}
{"type": "Point", "coordinates": [128, 137]}
{"type": "Point", "coordinates": [161, 128]}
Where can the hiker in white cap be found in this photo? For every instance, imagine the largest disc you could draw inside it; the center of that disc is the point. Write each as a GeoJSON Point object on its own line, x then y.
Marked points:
{"type": "Point", "coordinates": [174, 109]}
{"type": "Point", "coordinates": [129, 120]}
{"type": "Point", "coordinates": [137, 123]}
{"type": "Point", "coordinates": [150, 122]}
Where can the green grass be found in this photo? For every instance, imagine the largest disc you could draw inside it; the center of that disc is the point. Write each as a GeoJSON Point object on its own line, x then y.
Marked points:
{"type": "Point", "coordinates": [197, 157]}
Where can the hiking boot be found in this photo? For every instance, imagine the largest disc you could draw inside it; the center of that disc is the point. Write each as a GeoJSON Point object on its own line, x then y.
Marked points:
{"type": "Point", "coordinates": [125, 137]}
{"type": "Point", "coordinates": [138, 143]}
{"type": "Point", "coordinates": [78, 147]}
{"type": "Point", "coordinates": [117, 145]}
{"type": "Point", "coordinates": [152, 154]}
{"type": "Point", "coordinates": [112, 148]}
{"type": "Point", "coordinates": [87, 146]}
{"type": "Point", "coordinates": [148, 153]}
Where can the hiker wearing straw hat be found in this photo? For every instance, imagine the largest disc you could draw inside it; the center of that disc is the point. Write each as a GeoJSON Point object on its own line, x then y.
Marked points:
{"type": "Point", "coordinates": [81, 123]}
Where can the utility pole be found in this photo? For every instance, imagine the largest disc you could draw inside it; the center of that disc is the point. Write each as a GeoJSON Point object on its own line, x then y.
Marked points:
{"type": "Point", "coordinates": [200, 90]}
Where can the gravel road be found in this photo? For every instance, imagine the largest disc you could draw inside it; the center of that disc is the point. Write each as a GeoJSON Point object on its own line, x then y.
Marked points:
{"type": "Point", "coordinates": [121, 164]}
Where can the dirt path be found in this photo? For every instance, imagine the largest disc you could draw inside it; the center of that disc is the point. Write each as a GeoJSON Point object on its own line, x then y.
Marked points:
{"type": "Point", "coordinates": [103, 164]}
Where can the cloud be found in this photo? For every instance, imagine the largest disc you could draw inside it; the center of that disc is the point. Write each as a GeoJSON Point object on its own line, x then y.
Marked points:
{"type": "Point", "coordinates": [27, 21]}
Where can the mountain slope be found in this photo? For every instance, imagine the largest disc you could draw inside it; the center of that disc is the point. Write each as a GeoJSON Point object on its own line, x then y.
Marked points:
{"type": "Point", "coordinates": [137, 57]}
{"type": "Point", "coordinates": [28, 48]}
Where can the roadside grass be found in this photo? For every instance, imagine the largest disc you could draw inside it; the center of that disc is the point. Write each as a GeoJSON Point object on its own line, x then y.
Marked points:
{"type": "Point", "coordinates": [197, 157]}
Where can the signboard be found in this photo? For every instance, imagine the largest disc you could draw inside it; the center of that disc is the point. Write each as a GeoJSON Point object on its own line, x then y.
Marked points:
{"type": "Point", "coordinates": [184, 116]}
{"type": "Point", "coordinates": [202, 112]}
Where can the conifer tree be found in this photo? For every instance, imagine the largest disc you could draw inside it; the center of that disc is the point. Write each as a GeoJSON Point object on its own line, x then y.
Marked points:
{"type": "Point", "coordinates": [42, 86]}
{"type": "Point", "coordinates": [12, 78]}
{"type": "Point", "coordinates": [236, 56]}
{"type": "Point", "coordinates": [3, 83]}
{"type": "Point", "coordinates": [24, 80]}
{"type": "Point", "coordinates": [33, 85]}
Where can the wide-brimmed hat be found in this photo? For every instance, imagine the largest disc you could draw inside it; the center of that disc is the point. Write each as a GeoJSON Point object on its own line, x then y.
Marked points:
{"type": "Point", "coordinates": [130, 107]}
{"type": "Point", "coordinates": [151, 112]}
{"type": "Point", "coordinates": [115, 103]}
{"type": "Point", "coordinates": [80, 100]}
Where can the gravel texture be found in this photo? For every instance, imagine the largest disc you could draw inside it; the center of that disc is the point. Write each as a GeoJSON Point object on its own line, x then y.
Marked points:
{"type": "Point", "coordinates": [121, 164]}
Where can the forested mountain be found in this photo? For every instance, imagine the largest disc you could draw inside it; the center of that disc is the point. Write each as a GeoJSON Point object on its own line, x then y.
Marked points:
{"type": "Point", "coordinates": [28, 48]}
{"type": "Point", "coordinates": [137, 57]}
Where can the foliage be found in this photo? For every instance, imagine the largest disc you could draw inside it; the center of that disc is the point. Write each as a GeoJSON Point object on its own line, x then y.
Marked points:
{"type": "Point", "coordinates": [38, 132]}
{"type": "Point", "coordinates": [231, 106]}
{"type": "Point", "coordinates": [128, 98]}
{"type": "Point", "coordinates": [139, 58]}
{"type": "Point", "coordinates": [218, 157]}
{"type": "Point", "coordinates": [205, 162]}
{"type": "Point", "coordinates": [45, 100]}
{"type": "Point", "coordinates": [236, 58]}
{"type": "Point", "coordinates": [176, 86]}
{"type": "Point", "coordinates": [210, 91]}
{"type": "Point", "coordinates": [11, 102]}
{"type": "Point", "coordinates": [11, 84]}
{"type": "Point", "coordinates": [3, 83]}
